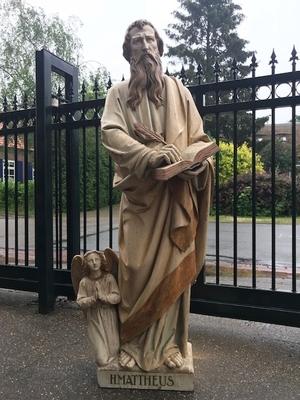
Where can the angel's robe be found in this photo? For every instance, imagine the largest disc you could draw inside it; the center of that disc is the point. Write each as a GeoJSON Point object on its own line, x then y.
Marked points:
{"type": "Point", "coordinates": [163, 224]}
{"type": "Point", "coordinates": [102, 319]}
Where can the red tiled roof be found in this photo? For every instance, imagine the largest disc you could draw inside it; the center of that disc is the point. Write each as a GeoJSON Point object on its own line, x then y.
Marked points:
{"type": "Point", "coordinates": [11, 142]}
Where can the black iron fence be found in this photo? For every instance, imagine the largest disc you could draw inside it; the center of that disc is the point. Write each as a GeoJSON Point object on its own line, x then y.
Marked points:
{"type": "Point", "coordinates": [59, 144]}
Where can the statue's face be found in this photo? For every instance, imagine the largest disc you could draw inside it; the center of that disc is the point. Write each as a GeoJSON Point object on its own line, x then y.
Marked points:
{"type": "Point", "coordinates": [143, 41]}
{"type": "Point", "coordinates": [93, 261]}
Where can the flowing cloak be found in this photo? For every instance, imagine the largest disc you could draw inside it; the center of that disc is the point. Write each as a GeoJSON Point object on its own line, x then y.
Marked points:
{"type": "Point", "coordinates": [102, 319]}
{"type": "Point", "coordinates": [163, 224]}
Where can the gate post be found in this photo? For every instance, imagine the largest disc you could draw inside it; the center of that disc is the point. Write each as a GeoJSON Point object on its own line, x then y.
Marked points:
{"type": "Point", "coordinates": [72, 171]}
{"type": "Point", "coordinates": [46, 63]}
{"type": "Point", "coordinates": [43, 184]}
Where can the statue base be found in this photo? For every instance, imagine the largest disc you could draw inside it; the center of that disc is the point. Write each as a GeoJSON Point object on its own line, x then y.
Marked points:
{"type": "Point", "coordinates": [163, 378]}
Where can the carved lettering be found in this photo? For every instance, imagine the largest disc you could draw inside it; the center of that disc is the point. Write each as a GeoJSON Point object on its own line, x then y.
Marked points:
{"type": "Point", "coordinates": [155, 380]}
{"type": "Point", "coordinates": [162, 380]}
{"type": "Point", "coordinates": [129, 380]}
{"type": "Point", "coordinates": [170, 381]}
{"type": "Point", "coordinates": [141, 380]}
{"type": "Point", "coordinates": [113, 379]}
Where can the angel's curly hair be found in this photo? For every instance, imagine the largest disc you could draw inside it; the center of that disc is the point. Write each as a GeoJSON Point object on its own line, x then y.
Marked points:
{"type": "Point", "coordinates": [139, 24]}
{"type": "Point", "coordinates": [103, 266]}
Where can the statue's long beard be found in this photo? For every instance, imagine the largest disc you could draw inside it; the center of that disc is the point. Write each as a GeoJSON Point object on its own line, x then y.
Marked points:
{"type": "Point", "coordinates": [146, 76]}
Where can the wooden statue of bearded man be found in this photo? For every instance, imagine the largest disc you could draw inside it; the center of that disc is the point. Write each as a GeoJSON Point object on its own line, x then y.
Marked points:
{"type": "Point", "coordinates": [163, 224]}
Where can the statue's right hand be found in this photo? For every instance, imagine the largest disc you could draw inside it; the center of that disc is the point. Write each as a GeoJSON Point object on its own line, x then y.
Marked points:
{"type": "Point", "coordinates": [168, 154]}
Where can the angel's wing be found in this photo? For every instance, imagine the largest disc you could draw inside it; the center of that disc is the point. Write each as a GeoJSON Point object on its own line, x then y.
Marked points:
{"type": "Point", "coordinates": [77, 272]}
{"type": "Point", "coordinates": [112, 261]}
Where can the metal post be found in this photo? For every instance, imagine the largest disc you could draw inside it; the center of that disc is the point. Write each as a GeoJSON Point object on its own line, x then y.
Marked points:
{"type": "Point", "coordinates": [43, 184]}
{"type": "Point", "coordinates": [72, 170]}
{"type": "Point", "coordinates": [47, 62]}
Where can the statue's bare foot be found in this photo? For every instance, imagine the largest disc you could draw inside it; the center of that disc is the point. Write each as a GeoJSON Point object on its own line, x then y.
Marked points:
{"type": "Point", "coordinates": [174, 361]}
{"type": "Point", "coordinates": [125, 360]}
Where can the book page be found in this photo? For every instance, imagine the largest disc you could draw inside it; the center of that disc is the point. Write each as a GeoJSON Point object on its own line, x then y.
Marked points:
{"type": "Point", "coordinates": [191, 151]}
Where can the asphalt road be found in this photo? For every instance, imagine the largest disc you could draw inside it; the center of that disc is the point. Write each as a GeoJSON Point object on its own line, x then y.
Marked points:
{"type": "Point", "coordinates": [244, 243]}
{"type": "Point", "coordinates": [244, 240]}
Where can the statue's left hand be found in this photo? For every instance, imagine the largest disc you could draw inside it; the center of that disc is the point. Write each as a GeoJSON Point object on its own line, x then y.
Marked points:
{"type": "Point", "coordinates": [192, 173]}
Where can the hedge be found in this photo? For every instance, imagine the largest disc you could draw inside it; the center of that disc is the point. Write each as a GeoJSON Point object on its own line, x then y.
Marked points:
{"type": "Point", "coordinates": [283, 195]}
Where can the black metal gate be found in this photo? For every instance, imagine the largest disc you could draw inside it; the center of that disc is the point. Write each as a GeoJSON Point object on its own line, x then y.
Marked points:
{"type": "Point", "coordinates": [61, 138]}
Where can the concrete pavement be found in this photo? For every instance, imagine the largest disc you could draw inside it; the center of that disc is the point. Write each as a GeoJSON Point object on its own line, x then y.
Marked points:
{"type": "Point", "coordinates": [48, 357]}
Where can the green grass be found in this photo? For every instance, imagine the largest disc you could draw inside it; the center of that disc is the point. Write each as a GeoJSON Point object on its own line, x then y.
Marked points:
{"type": "Point", "coordinates": [259, 220]}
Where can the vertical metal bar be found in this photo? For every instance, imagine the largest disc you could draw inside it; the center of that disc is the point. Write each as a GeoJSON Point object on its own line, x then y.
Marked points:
{"type": "Point", "coordinates": [84, 186]}
{"type": "Point", "coordinates": [56, 196]}
{"type": "Point", "coordinates": [253, 136]}
{"type": "Point", "coordinates": [6, 196]}
{"type": "Point", "coordinates": [72, 174]}
{"type": "Point", "coordinates": [217, 190]}
{"type": "Point", "coordinates": [110, 199]}
{"type": "Point", "coordinates": [26, 228]}
{"type": "Point", "coordinates": [60, 199]}
{"type": "Point", "coordinates": [273, 195]}
{"type": "Point", "coordinates": [97, 188]}
{"type": "Point", "coordinates": [16, 199]}
{"type": "Point", "coordinates": [294, 189]}
{"type": "Point", "coordinates": [43, 184]}
{"type": "Point", "coordinates": [235, 197]}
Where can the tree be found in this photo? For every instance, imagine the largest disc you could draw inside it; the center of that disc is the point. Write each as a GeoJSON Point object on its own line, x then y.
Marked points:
{"type": "Point", "coordinates": [23, 30]}
{"type": "Point", "coordinates": [244, 126]}
{"type": "Point", "coordinates": [206, 32]}
{"type": "Point", "coordinates": [283, 157]}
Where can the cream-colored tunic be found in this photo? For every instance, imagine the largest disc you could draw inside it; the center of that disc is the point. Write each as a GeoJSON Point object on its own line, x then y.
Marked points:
{"type": "Point", "coordinates": [159, 223]}
{"type": "Point", "coordinates": [102, 319]}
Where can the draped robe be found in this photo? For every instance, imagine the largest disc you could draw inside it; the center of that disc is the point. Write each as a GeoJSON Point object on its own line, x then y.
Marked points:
{"type": "Point", "coordinates": [163, 224]}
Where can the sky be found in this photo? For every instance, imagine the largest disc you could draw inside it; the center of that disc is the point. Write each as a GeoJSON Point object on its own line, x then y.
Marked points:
{"type": "Point", "coordinates": [268, 24]}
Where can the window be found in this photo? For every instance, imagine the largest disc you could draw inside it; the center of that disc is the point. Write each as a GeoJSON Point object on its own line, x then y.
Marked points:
{"type": "Point", "coordinates": [10, 169]}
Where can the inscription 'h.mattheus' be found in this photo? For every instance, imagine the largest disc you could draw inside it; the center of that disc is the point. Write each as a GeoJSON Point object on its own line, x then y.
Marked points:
{"type": "Point", "coordinates": [141, 380]}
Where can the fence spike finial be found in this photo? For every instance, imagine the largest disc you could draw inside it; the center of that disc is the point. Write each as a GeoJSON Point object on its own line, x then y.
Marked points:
{"type": "Point", "coordinates": [294, 58]}
{"type": "Point", "coordinates": [83, 91]}
{"type": "Point", "coordinates": [253, 64]}
{"type": "Point", "coordinates": [15, 103]}
{"type": "Point", "coordinates": [96, 88]}
{"type": "Point", "coordinates": [25, 101]}
{"type": "Point", "coordinates": [109, 83]}
{"type": "Point", "coordinates": [199, 73]}
{"type": "Point", "coordinates": [167, 72]}
{"type": "Point", "coordinates": [59, 94]}
{"type": "Point", "coordinates": [217, 70]}
{"type": "Point", "coordinates": [273, 61]}
{"type": "Point", "coordinates": [182, 75]}
{"type": "Point", "coordinates": [5, 104]}
{"type": "Point", "coordinates": [234, 68]}
{"type": "Point", "coordinates": [123, 78]}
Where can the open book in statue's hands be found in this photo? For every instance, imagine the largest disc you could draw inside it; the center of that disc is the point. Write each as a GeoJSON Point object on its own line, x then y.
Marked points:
{"type": "Point", "coordinates": [192, 156]}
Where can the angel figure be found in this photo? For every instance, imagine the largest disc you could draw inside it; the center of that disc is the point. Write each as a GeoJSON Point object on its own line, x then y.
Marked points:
{"type": "Point", "coordinates": [97, 295]}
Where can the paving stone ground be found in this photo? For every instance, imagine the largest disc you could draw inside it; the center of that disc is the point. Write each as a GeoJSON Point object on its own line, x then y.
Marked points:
{"type": "Point", "coordinates": [48, 357]}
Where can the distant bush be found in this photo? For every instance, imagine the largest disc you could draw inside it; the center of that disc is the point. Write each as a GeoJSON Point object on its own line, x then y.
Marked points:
{"type": "Point", "coordinates": [244, 161]}
{"type": "Point", "coordinates": [283, 195]}
{"type": "Point", "coordinates": [20, 196]}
